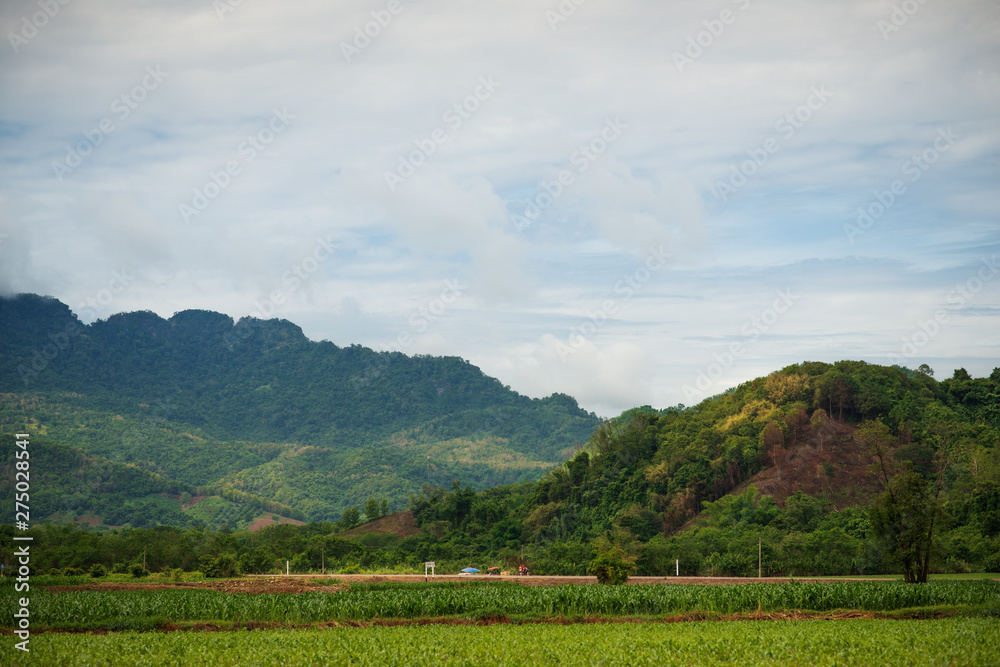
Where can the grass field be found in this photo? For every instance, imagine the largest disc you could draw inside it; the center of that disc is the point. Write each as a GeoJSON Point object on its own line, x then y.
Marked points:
{"type": "Point", "coordinates": [969, 641]}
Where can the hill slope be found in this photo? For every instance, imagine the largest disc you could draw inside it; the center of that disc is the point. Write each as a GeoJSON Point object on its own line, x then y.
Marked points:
{"type": "Point", "coordinates": [256, 407]}
{"type": "Point", "coordinates": [778, 458]}
{"type": "Point", "coordinates": [778, 466]}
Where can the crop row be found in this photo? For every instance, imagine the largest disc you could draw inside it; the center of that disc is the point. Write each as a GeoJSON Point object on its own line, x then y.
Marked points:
{"type": "Point", "coordinates": [365, 603]}
{"type": "Point", "coordinates": [966, 641]}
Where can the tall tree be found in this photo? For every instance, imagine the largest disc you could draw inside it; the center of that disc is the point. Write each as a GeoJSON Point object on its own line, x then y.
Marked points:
{"type": "Point", "coordinates": [372, 509]}
{"type": "Point", "coordinates": [903, 516]}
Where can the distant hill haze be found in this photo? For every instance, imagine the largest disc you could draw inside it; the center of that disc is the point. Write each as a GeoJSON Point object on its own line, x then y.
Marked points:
{"type": "Point", "coordinates": [256, 407]}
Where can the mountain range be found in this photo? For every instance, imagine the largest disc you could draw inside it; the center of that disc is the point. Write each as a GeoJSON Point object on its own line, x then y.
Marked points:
{"type": "Point", "coordinates": [245, 413]}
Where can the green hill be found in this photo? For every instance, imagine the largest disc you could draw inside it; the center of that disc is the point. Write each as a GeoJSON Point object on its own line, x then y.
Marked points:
{"type": "Point", "coordinates": [788, 466]}
{"type": "Point", "coordinates": [786, 459]}
{"type": "Point", "coordinates": [70, 485]}
{"type": "Point", "coordinates": [255, 407]}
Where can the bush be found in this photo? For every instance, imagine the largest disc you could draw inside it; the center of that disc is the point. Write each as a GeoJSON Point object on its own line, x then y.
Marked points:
{"type": "Point", "coordinates": [218, 567]}
{"type": "Point", "coordinates": [73, 572]}
{"type": "Point", "coordinates": [226, 565]}
{"type": "Point", "coordinates": [610, 570]}
{"type": "Point", "coordinates": [138, 570]}
{"type": "Point", "coordinates": [614, 563]}
{"type": "Point", "coordinates": [97, 571]}
{"type": "Point", "coordinates": [992, 564]}
{"type": "Point", "coordinates": [255, 562]}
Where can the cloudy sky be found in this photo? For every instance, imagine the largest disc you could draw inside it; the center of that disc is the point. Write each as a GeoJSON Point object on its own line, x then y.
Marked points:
{"type": "Point", "coordinates": [633, 202]}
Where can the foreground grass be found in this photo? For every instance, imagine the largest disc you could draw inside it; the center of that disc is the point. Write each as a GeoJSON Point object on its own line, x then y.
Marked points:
{"type": "Point", "coordinates": [970, 641]}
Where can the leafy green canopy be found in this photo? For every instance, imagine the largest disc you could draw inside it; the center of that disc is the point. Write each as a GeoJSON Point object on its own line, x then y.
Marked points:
{"type": "Point", "coordinates": [256, 407]}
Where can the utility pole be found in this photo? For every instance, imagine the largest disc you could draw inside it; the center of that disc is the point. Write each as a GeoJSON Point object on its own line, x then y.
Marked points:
{"type": "Point", "coordinates": [324, 559]}
{"type": "Point", "coordinates": [144, 558]}
{"type": "Point", "coordinates": [758, 557]}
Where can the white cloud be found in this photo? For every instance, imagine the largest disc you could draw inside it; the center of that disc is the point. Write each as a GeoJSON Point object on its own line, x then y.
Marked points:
{"type": "Point", "coordinates": [324, 176]}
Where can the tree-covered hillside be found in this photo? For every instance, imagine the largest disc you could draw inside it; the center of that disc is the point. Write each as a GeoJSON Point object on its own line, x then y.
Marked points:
{"type": "Point", "coordinates": [827, 469]}
{"type": "Point", "coordinates": [685, 483]}
{"type": "Point", "coordinates": [864, 468]}
{"type": "Point", "coordinates": [256, 407]}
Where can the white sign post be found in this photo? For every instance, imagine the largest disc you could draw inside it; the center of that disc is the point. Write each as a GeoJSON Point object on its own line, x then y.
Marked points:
{"type": "Point", "coordinates": [429, 565]}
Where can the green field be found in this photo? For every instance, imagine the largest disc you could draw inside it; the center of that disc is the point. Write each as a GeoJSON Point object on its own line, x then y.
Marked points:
{"type": "Point", "coordinates": [126, 610]}
{"type": "Point", "coordinates": [860, 642]}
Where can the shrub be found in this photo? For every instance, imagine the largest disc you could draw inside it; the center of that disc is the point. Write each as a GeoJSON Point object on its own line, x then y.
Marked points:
{"type": "Point", "coordinates": [226, 565]}
{"type": "Point", "coordinates": [218, 567]}
{"type": "Point", "coordinates": [255, 562]}
{"type": "Point", "coordinates": [610, 569]}
{"type": "Point", "coordinates": [73, 572]}
{"type": "Point", "coordinates": [615, 559]}
{"type": "Point", "coordinates": [138, 570]}
{"type": "Point", "coordinates": [207, 565]}
{"type": "Point", "coordinates": [97, 571]}
{"type": "Point", "coordinates": [992, 563]}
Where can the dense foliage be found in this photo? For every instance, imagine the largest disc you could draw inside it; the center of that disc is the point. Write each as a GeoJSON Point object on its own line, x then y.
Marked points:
{"type": "Point", "coordinates": [815, 469]}
{"type": "Point", "coordinates": [653, 473]}
{"type": "Point", "coordinates": [671, 490]}
{"type": "Point", "coordinates": [255, 407]}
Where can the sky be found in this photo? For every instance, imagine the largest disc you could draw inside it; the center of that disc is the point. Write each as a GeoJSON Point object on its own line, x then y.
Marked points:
{"type": "Point", "coordinates": [632, 202]}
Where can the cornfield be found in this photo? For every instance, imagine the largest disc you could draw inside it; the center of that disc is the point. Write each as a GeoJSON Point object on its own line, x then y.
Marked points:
{"type": "Point", "coordinates": [967, 641]}
{"type": "Point", "coordinates": [123, 610]}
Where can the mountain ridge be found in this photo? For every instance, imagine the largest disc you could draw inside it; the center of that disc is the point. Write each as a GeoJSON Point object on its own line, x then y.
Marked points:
{"type": "Point", "coordinates": [202, 383]}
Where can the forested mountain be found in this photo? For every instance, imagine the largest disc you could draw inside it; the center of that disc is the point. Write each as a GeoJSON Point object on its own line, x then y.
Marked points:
{"type": "Point", "coordinates": [827, 469]}
{"type": "Point", "coordinates": [836, 468]}
{"type": "Point", "coordinates": [255, 407]}
{"type": "Point", "coordinates": [71, 484]}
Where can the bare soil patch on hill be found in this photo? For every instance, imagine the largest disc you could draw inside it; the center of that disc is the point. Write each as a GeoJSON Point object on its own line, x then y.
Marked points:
{"type": "Point", "coordinates": [398, 523]}
{"type": "Point", "coordinates": [829, 463]}
{"type": "Point", "coordinates": [268, 519]}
